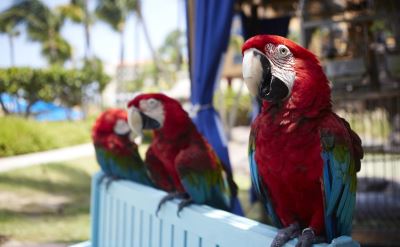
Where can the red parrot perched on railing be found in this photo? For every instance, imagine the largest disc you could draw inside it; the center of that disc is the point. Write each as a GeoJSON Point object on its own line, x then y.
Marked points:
{"type": "Point", "coordinates": [303, 157]}
{"type": "Point", "coordinates": [116, 151]}
{"type": "Point", "coordinates": [179, 159]}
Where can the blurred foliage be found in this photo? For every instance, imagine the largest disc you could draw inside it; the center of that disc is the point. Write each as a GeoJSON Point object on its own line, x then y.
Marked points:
{"type": "Point", "coordinates": [51, 84]}
{"type": "Point", "coordinates": [42, 24]}
{"type": "Point", "coordinates": [74, 12]}
{"type": "Point", "coordinates": [115, 12]}
{"type": "Point", "coordinates": [20, 136]}
{"type": "Point", "coordinates": [172, 48]}
{"type": "Point", "coordinates": [229, 99]}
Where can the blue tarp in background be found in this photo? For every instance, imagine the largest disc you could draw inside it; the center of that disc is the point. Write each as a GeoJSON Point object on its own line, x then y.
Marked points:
{"type": "Point", "coordinates": [209, 24]}
{"type": "Point", "coordinates": [42, 111]}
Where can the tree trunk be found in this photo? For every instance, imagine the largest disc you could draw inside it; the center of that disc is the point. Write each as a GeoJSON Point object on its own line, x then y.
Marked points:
{"type": "Point", "coordinates": [147, 37]}
{"type": "Point", "coordinates": [3, 106]}
{"type": "Point", "coordinates": [87, 31]}
{"type": "Point", "coordinates": [53, 52]}
{"type": "Point", "coordinates": [122, 44]}
{"type": "Point", "coordinates": [11, 44]}
{"type": "Point", "coordinates": [28, 109]}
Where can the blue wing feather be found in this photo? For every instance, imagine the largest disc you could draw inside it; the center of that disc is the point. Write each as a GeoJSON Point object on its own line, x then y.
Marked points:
{"type": "Point", "coordinates": [338, 177]}
{"type": "Point", "coordinates": [102, 159]}
{"type": "Point", "coordinates": [125, 167]}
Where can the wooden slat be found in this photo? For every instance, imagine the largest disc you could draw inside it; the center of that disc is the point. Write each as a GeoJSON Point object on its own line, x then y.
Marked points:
{"type": "Point", "coordinates": [146, 228]}
{"type": "Point", "coordinates": [179, 236]}
{"type": "Point", "coordinates": [127, 239]}
{"type": "Point", "coordinates": [120, 222]}
{"type": "Point", "coordinates": [167, 234]}
{"type": "Point", "coordinates": [157, 232]}
{"type": "Point", "coordinates": [103, 212]}
{"type": "Point", "coordinates": [111, 226]}
{"type": "Point", "coordinates": [193, 240]}
{"type": "Point", "coordinates": [131, 219]}
{"type": "Point", "coordinates": [137, 228]}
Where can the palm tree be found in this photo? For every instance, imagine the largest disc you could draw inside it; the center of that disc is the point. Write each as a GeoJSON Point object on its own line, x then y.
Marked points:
{"type": "Point", "coordinates": [146, 33]}
{"type": "Point", "coordinates": [77, 11]}
{"type": "Point", "coordinates": [43, 25]}
{"type": "Point", "coordinates": [115, 13]}
{"type": "Point", "coordinates": [9, 29]}
{"type": "Point", "coordinates": [8, 23]}
{"type": "Point", "coordinates": [171, 50]}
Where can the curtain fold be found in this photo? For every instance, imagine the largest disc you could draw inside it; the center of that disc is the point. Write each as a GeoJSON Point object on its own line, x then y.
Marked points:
{"type": "Point", "coordinates": [209, 23]}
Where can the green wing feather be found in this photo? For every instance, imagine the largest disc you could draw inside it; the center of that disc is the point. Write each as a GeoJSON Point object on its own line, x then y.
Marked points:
{"type": "Point", "coordinates": [340, 183]}
{"type": "Point", "coordinates": [204, 183]}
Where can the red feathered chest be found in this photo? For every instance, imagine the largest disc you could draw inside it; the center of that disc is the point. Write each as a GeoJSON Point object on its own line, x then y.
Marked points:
{"type": "Point", "coordinates": [283, 151]}
{"type": "Point", "coordinates": [290, 164]}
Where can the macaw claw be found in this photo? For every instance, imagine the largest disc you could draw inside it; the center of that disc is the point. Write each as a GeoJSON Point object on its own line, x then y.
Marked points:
{"type": "Point", "coordinates": [110, 180]}
{"type": "Point", "coordinates": [168, 197]}
{"type": "Point", "coordinates": [286, 234]}
{"type": "Point", "coordinates": [308, 238]}
{"type": "Point", "coordinates": [184, 203]}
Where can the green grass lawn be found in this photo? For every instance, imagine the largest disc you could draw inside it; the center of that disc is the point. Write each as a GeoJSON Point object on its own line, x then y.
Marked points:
{"type": "Point", "coordinates": [48, 203]}
{"type": "Point", "coordinates": [19, 135]}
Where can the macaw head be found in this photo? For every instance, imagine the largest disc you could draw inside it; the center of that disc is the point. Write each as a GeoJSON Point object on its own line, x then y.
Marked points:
{"type": "Point", "coordinates": [111, 131]}
{"type": "Point", "coordinates": [156, 111]}
{"type": "Point", "coordinates": [279, 71]}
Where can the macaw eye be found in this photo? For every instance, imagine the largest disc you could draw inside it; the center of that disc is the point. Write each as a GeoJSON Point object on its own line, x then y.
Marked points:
{"type": "Point", "coordinates": [283, 50]}
{"type": "Point", "coordinates": [152, 103]}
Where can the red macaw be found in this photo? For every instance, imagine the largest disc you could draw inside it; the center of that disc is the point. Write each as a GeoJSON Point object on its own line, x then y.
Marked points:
{"type": "Point", "coordinates": [303, 157]}
{"type": "Point", "coordinates": [179, 159]}
{"type": "Point", "coordinates": [116, 152]}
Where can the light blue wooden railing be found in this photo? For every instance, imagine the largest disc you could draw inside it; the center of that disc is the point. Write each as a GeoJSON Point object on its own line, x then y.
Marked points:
{"type": "Point", "coordinates": [124, 216]}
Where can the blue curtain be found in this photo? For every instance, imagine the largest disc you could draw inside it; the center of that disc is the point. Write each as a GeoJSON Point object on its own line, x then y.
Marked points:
{"type": "Point", "coordinates": [209, 23]}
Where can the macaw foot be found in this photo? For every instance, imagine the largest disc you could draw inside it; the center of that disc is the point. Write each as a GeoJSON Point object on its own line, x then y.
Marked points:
{"type": "Point", "coordinates": [110, 180]}
{"type": "Point", "coordinates": [308, 238]}
{"type": "Point", "coordinates": [184, 203]}
{"type": "Point", "coordinates": [285, 234]}
{"type": "Point", "coordinates": [168, 197]}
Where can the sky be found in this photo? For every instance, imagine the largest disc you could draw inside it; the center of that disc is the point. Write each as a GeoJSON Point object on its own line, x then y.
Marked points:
{"type": "Point", "coordinates": [161, 16]}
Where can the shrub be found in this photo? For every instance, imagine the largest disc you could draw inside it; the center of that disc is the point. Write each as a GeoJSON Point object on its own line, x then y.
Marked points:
{"type": "Point", "coordinates": [52, 83]}
{"type": "Point", "coordinates": [19, 135]}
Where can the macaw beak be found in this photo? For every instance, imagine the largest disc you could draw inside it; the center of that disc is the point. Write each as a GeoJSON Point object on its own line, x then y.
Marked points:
{"type": "Point", "coordinates": [259, 79]}
{"type": "Point", "coordinates": [138, 121]}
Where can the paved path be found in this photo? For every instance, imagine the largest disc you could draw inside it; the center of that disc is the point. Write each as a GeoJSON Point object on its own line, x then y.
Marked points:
{"type": "Point", "coordinates": [237, 153]}
{"type": "Point", "coordinates": [56, 155]}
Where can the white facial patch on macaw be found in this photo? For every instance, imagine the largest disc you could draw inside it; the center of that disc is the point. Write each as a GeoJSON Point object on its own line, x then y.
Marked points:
{"type": "Point", "coordinates": [252, 71]}
{"type": "Point", "coordinates": [154, 109]}
{"type": "Point", "coordinates": [135, 122]}
{"type": "Point", "coordinates": [121, 127]}
{"type": "Point", "coordinates": [282, 64]}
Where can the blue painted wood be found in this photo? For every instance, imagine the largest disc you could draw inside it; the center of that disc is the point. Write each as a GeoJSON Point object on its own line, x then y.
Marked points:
{"type": "Point", "coordinates": [94, 208]}
{"type": "Point", "coordinates": [125, 216]}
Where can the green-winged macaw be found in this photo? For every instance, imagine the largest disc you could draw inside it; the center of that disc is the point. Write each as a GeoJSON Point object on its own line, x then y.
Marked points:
{"type": "Point", "coordinates": [179, 159]}
{"type": "Point", "coordinates": [303, 157]}
{"type": "Point", "coordinates": [116, 151]}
